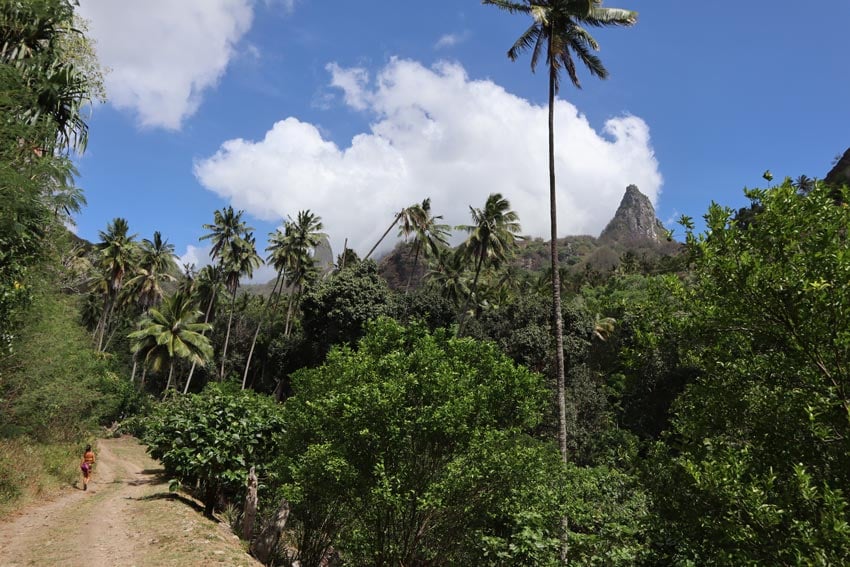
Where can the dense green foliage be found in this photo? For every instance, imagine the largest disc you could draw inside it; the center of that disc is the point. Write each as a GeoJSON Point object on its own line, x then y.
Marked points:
{"type": "Point", "coordinates": [762, 436]}
{"type": "Point", "coordinates": [337, 309]}
{"type": "Point", "coordinates": [53, 388]}
{"type": "Point", "coordinates": [381, 444]}
{"type": "Point", "coordinates": [211, 439]}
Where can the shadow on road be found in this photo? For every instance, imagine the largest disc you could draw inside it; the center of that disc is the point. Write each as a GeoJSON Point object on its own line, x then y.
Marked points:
{"type": "Point", "coordinates": [174, 496]}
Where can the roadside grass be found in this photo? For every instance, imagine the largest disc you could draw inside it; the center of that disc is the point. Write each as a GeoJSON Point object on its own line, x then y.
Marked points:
{"type": "Point", "coordinates": [174, 524]}
{"type": "Point", "coordinates": [54, 393]}
{"type": "Point", "coordinates": [31, 471]}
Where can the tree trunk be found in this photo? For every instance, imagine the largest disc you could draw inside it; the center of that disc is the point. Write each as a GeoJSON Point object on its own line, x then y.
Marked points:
{"type": "Point", "coordinates": [412, 270]}
{"type": "Point", "coordinates": [227, 336]}
{"type": "Point", "coordinates": [206, 320]}
{"type": "Point", "coordinates": [109, 339]}
{"type": "Point", "coordinates": [289, 310]}
{"type": "Point", "coordinates": [107, 312]}
{"type": "Point", "coordinates": [133, 373]}
{"type": "Point", "coordinates": [264, 546]}
{"type": "Point", "coordinates": [250, 506]}
{"type": "Point", "coordinates": [557, 320]}
{"type": "Point", "coordinates": [398, 216]}
{"type": "Point", "coordinates": [210, 497]}
{"type": "Point", "coordinates": [471, 292]}
{"type": "Point", "coordinates": [170, 375]}
{"type": "Point", "coordinates": [257, 332]}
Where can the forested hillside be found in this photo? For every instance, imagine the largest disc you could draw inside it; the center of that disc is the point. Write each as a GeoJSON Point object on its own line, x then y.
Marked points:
{"type": "Point", "coordinates": [415, 410]}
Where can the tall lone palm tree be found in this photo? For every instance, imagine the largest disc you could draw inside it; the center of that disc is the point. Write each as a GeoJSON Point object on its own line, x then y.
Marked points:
{"type": "Point", "coordinates": [171, 332]}
{"type": "Point", "coordinates": [493, 236]}
{"type": "Point", "coordinates": [559, 27]}
{"type": "Point", "coordinates": [239, 259]}
{"type": "Point", "coordinates": [116, 254]}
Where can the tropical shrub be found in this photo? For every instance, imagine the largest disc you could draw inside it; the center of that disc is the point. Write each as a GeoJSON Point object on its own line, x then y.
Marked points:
{"type": "Point", "coordinates": [212, 439]}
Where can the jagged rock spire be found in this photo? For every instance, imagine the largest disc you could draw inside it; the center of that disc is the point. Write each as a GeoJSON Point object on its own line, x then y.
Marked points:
{"type": "Point", "coordinates": [634, 220]}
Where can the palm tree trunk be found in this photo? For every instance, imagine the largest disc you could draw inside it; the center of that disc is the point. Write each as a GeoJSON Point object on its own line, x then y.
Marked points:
{"type": "Point", "coordinates": [206, 320]}
{"type": "Point", "coordinates": [395, 220]}
{"type": "Point", "coordinates": [107, 312]}
{"type": "Point", "coordinates": [290, 308]}
{"type": "Point", "coordinates": [227, 336]}
{"type": "Point", "coordinates": [170, 375]}
{"type": "Point", "coordinates": [144, 375]}
{"type": "Point", "coordinates": [471, 292]}
{"type": "Point", "coordinates": [557, 319]}
{"type": "Point", "coordinates": [133, 374]}
{"type": "Point", "coordinates": [109, 338]}
{"type": "Point", "coordinates": [273, 310]}
{"type": "Point", "coordinates": [257, 332]}
{"type": "Point", "coordinates": [413, 270]}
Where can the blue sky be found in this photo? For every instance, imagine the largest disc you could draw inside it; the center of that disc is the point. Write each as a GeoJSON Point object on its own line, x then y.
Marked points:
{"type": "Point", "coordinates": [357, 109]}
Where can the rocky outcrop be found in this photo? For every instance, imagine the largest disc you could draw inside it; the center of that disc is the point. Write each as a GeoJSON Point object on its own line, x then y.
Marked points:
{"type": "Point", "coordinates": [840, 173]}
{"type": "Point", "coordinates": [634, 221]}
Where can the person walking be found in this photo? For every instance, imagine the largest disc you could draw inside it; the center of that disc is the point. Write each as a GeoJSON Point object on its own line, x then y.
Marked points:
{"type": "Point", "coordinates": [86, 465]}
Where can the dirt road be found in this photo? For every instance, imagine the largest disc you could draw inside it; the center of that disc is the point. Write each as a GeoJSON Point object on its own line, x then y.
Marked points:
{"type": "Point", "coordinates": [126, 518]}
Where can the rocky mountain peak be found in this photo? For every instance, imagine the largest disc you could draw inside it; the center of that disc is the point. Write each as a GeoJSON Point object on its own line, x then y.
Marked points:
{"type": "Point", "coordinates": [634, 220]}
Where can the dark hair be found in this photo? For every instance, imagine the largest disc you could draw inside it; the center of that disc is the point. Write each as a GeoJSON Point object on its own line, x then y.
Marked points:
{"type": "Point", "coordinates": [88, 448]}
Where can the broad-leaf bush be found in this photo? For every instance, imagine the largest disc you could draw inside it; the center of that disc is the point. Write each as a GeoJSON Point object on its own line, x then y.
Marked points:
{"type": "Point", "coordinates": [212, 439]}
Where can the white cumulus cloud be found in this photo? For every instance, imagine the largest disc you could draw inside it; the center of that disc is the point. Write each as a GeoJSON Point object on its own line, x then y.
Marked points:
{"type": "Point", "coordinates": [197, 256]}
{"type": "Point", "coordinates": [163, 54]}
{"type": "Point", "coordinates": [450, 40]}
{"type": "Point", "coordinates": [435, 133]}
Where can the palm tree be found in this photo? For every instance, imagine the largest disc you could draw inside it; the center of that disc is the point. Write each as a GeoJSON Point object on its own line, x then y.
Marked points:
{"type": "Point", "coordinates": [557, 26]}
{"type": "Point", "coordinates": [226, 227]}
{"type": "Point", "coordinates": [239, 259]}
{"type": "Point", "coordinates": [171, 332]}
{"type": "Point", "coordinates": [278, 258]}
{"type": "Point", "coordinates": [493, 235]}
{"type": "Point", "coordinates": [603, 327]}
{"type": "Point", "coordinates": [116, 254]}
{"type": "Point", "coordinates": [205, 288]}
{"type": "Point", "coordinates": [289, 250]}
{"type": "Point", "coordinates": [156, 265]}
{"type": "Point", "coordinates": [428, 235]}
{"type": "Point", "coordinates": [404, 216]}
{"type": "Point", "coordinates": [447, 275]}
{"type": "Point", "coordinates": [303, 236]}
